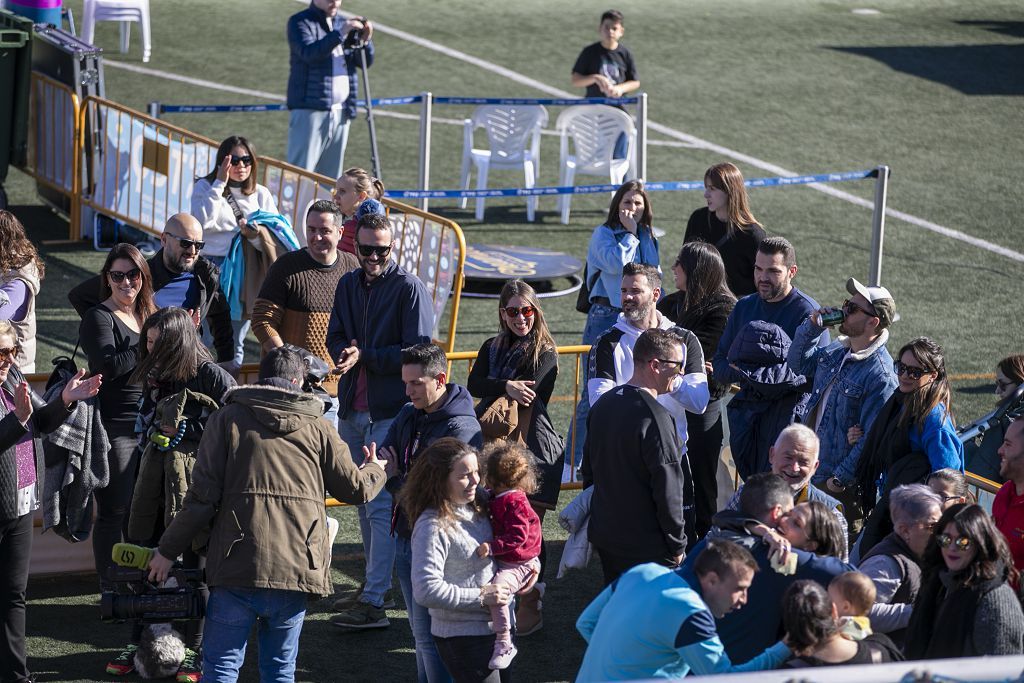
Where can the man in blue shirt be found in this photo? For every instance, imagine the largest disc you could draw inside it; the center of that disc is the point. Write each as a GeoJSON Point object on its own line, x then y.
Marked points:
{"type": "Point", "coordinates": [655, 622]}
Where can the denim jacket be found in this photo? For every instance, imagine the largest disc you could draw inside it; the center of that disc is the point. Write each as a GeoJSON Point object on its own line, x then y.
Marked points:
{"type": "Point", "coordinates": [611, 249]}
{"type": "Point", "coordinates": [863, 384]}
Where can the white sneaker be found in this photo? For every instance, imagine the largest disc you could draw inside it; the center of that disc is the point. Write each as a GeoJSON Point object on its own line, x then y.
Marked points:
{"type": "Point", "coordinates": [504, 653]}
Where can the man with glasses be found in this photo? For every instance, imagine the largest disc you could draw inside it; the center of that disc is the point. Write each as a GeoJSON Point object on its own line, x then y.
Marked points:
{"type": "Point", "coordinates": [852, 378]}
{"type": "Point", "coordinates": [379, 309]}
{"type": "Point", "coordinates": [181, 277]}
{"type": "Point", "coordinates": [295, 301]}
{"type": "Point", "coordinates": [642, 505]}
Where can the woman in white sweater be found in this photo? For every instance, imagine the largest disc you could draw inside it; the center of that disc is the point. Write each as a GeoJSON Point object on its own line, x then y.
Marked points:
{"type": "Point", "coordinates": [449, 578]}
{"type": "Point", "coordinates": [234, 174]}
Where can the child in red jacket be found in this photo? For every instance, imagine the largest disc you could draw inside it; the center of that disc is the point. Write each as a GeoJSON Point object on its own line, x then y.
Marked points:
{"type": "Point", "coordinates": [512, 476]}
{"type": "Point", "coordinates": [356, 193]}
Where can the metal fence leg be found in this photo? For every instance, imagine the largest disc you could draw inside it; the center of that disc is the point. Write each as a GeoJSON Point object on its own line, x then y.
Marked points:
{"type": "Point", "coordinates": [878, 226]}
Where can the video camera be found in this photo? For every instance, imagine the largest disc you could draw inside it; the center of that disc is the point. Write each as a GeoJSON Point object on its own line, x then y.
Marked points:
{"type": "Point", "coordinates": [316, 372]}
{"type": "Point", "coordinates": [134, 596]}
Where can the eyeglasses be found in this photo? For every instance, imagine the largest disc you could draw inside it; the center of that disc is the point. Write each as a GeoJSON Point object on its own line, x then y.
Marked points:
{"type": "Point", "coordinates": [188, 244]}
{"type": "Point", "coordinates": [8, 353]}
{"type": "Point", "coordinates": [133, 275]}
{"type": "Point", "coordinates": [368, 250]}
{"type": "Point", "coordinates": [512, 311]}
{"type": "Point", "coordinates": [962, 543]}
{"type": "Point", "coordinates": [666, 361]}
{"type": "Point", "coordinates": [851, 308]}
{"type": "Point", "coordinates": [244, 161]}
{"type": "Point", "coordinates": [911, 372]}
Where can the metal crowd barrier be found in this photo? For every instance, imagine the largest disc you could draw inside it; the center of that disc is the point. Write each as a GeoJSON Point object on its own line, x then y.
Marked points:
{"type": "Point", "coordinates": [140, 170]}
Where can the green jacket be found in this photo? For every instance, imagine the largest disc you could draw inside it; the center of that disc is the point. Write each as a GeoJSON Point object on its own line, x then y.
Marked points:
{"type": "Point", "coordinates": [264, 462]}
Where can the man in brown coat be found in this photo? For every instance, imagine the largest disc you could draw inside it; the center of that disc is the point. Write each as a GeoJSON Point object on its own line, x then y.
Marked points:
{"type": "Point", "coordinates": [264, 462]}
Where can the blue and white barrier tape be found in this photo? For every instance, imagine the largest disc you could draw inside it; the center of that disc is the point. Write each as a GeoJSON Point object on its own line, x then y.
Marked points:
{"type": "Point", "coordinates": [233, 108]}
{"type": "Point", "coordinates": [675, 186]}
{"type": "Point", "coordinates": [525, 101]}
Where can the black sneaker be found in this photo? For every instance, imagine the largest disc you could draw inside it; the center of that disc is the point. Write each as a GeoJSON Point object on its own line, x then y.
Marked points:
{"type": "Point", "coordinates": [124, 663]}
{"type": "Point", "coordinates": [360, 616]}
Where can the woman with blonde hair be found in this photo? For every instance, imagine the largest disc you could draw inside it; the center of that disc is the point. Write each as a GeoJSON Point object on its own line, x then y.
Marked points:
{"type": "Point", "coordinates": [728, 224]}
{"type": "Point", "coordinates": [21, 271]}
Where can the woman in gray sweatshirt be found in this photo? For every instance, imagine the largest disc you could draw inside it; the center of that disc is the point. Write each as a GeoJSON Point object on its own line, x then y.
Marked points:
{"type": "Point", "coordinates": [449, 523]}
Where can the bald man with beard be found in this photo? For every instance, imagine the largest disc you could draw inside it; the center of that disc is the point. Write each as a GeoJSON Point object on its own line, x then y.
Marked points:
{"type": "Point", "coordinates": [181, 277]}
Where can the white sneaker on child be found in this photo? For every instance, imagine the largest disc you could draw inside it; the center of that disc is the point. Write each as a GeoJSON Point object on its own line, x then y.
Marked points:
{"type": "Point", "coordinates": [504, 653]}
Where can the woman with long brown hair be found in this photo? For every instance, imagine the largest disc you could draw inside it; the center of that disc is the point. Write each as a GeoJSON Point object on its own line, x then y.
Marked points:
{"type": "Point", "coordinates": [21, 271]}
{"type": "Point", "coordinates": [109, 337]}
{"type": "Point", "coordinates": [521, 362]}
{"type": "Point", "coordinates": [912, 436]}
{"type": "Point", "coordinates": [727, 223]}
{"type": "Point", "coordinates": [982, 451]}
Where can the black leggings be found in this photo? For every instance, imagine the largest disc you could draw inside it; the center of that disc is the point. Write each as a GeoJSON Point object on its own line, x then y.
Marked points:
{"type": "Point", "coordinates": [15, 550]}
{"type": "Point", "coordinates": [467, 659]}
{"type": "Point", "coordinates": [704, 436]}
{"type": "Point", "coordinates": [113, 502]}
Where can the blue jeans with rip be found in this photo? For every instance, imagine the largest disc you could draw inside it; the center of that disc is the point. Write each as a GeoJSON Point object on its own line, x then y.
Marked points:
{"type": "Point", "coordinates": [358, 430]}
{"type": "Point", "coordinates": [230, 616]}
{"type": "Point", "coordinates": [429, 667]}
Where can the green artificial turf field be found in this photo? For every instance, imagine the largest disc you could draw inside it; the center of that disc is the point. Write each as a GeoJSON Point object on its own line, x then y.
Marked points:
{"type": "Point", "coordinates": [932, 89]}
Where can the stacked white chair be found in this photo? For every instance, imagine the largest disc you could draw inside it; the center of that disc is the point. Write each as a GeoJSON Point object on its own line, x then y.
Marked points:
{"type": "Point", "coordinates": [123, 11]}
{"type": "Point", "coordinates": [594, 130]}
{"type": "Point", "coordinates": [513, 141]}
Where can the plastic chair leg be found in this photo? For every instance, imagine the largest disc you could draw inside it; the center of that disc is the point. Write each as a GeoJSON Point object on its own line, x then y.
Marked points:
{"type": "Point", "coordinates": [568, 178]}
{"type": "Point", "coordinates": [126, 33]}
{"type": "Point", "coordinates": [529, 171]}
{"type": "Point", "coordinates": [481, 184]}
{"type": "Point", "coordinates": [464, 180]}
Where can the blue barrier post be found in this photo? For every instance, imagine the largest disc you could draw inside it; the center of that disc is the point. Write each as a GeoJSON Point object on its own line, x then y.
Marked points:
{"type": "Point", "coordinates": [878, 225]}
{"type": "Point", "coordinates": [426, 117]}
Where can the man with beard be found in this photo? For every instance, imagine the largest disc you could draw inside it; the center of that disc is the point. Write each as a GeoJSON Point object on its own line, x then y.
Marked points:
{"type": "Point", "coordinates": [181, 277]}
{"type": "Point", "coordinates": [776, 301]}
{"type": "Point", "coordinates": [794, 457]}
{"type": "Point", "coordinates": [611, 358]}
{"type": "Point", "coordinates": [1008, 507]}
{"type": "Point", "coordinates": [853, 378]}
{"type": "Point", "coordinates": [642, 502]}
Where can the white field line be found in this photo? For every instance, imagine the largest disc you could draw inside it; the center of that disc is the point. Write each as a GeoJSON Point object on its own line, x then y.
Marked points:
{"type": "Point", "coordinates": [557, 92]}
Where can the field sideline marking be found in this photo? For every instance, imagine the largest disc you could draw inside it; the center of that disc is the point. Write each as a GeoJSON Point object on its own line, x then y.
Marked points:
{"type": "Point", "coordinates": [556, 92]}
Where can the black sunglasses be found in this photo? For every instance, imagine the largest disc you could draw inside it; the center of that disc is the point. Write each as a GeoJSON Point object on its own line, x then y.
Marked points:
{"type": "Point", "coordinates": [368, 250]}
{"type": "Point", "coordinates": [851, 308]}
{"type": "Point", "coordinates": [666, 361]}
{"type": "Point", "coordinates": [244, 160]}
{"type": "Point", "coordinates": [911, 372]}
{"type": "Point", "coordinates": [133, 275]}
{"type": "Point", "coordinates": [188, 244]}
{"type": "Point", "coordinates": [512, 311]}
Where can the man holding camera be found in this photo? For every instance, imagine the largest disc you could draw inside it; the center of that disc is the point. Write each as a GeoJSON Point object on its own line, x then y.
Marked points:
{"type": "Point", "coordinates": [322, 86]}
{"type": "Point", "coordinates": [263, 465]}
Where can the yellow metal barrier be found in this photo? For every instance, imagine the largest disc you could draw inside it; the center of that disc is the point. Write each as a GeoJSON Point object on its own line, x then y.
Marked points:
{"type": "Point", "coordinates": [54, 144]}
{"type": "Point", "coordinates": [141, 170]}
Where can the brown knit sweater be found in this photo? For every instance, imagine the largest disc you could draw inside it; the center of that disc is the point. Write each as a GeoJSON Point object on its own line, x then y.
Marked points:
{"type": "Point", "coordinates": [295, 303]}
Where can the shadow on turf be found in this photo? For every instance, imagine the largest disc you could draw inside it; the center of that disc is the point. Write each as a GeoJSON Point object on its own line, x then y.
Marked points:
{"type": "Point", "coordinates": [970, 69]}
{"type": "Point", "coordinates": [1014, 29]}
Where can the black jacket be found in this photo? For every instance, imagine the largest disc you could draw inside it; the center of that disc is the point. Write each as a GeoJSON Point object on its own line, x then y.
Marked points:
{"type": "Point", "coordinates": [45, 418]}
{"type": "Point", "coordinates": [213, 307]}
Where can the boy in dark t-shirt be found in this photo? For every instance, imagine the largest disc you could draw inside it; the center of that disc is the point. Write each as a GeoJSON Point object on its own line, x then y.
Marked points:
{"type": "Point", "coordinates": [606, 68]}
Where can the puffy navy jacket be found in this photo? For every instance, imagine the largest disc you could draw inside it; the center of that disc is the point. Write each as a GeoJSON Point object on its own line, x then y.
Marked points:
{"type": "Point", "coordinates": [310, 43]}
{"type": "Point", "coordinates": [770, 396]}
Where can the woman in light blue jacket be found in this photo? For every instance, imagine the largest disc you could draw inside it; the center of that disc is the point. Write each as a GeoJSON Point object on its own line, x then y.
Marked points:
{"type": "Point", "coordinates": [625, 237]}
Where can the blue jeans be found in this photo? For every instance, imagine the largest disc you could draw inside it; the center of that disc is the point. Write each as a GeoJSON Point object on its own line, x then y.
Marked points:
{"type": "Point", "coordinates": [317, 140]}
{"type": "Point", "coordinates": [230, 615]}
{"type": "Point", "coordinates": [358, 430]}
{"type": "Point", "coordinates": [332, 413]}
{"type": "Point", "coordinates": [429, 667]}
{"type": "Point", "coordinates": [599, 320]}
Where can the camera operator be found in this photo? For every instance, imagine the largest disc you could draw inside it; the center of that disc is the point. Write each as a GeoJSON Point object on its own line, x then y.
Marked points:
{"type": "Point", "coordinates": [322, 85]}
{"type": "Point", "coordinates": [264, 462]}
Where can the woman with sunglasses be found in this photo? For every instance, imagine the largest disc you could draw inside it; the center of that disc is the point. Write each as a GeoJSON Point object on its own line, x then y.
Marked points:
{"type": "Point", "coordinates": [109, 337]}
{"type": "Point", "coordinates": [222, 199]}
{"type": "Point", "coordinates": [966, 606]}
{"type": "Point", "coordinates": [912, 436]}
{"type": "Point", "coordinates": [23, 418]}
{"type": "Point", "coordinates": [702, 305]}
{"type": "Point", "coordinates": [982, 451]}
{"type": "Point", "coordinates": [727, 223]}
{"type": "Point", "coordinates": [522, 364]}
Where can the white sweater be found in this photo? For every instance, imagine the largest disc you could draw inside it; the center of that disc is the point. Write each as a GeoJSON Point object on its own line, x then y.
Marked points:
{"type": "Point", "coordinates": [212, 210]}
{"type": "Point", "coordinates": [447, 573]}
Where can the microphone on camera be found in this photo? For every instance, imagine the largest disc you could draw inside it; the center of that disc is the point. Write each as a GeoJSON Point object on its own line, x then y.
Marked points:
{"type": "Point", "coordinates": [131, 555]}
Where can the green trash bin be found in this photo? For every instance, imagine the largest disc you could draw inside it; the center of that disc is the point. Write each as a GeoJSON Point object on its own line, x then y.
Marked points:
{"type": "Point", "coordinates": [15, 79]}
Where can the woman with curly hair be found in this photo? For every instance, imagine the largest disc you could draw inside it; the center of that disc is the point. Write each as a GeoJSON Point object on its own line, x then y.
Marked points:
{"type": "Point", "coordinates": [966, 606]}
{"type": "Point", "coordinates": [21, 271]}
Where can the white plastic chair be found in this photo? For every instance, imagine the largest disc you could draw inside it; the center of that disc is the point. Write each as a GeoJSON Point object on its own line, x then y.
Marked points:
{"type": "Point", "coordinates": [123, 11]}
{"type": "Point", "coordinates": [594, 130]}
{"type": "Point", "coordinates": [513, 140]}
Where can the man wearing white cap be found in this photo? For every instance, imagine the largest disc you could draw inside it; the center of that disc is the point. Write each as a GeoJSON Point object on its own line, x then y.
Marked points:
{"type": "Point", "coordinates": [853, 377]}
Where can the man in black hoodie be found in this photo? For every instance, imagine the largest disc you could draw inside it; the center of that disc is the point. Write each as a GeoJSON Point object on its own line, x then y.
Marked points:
{"type": "Point", "coordinates": [436, 409]}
